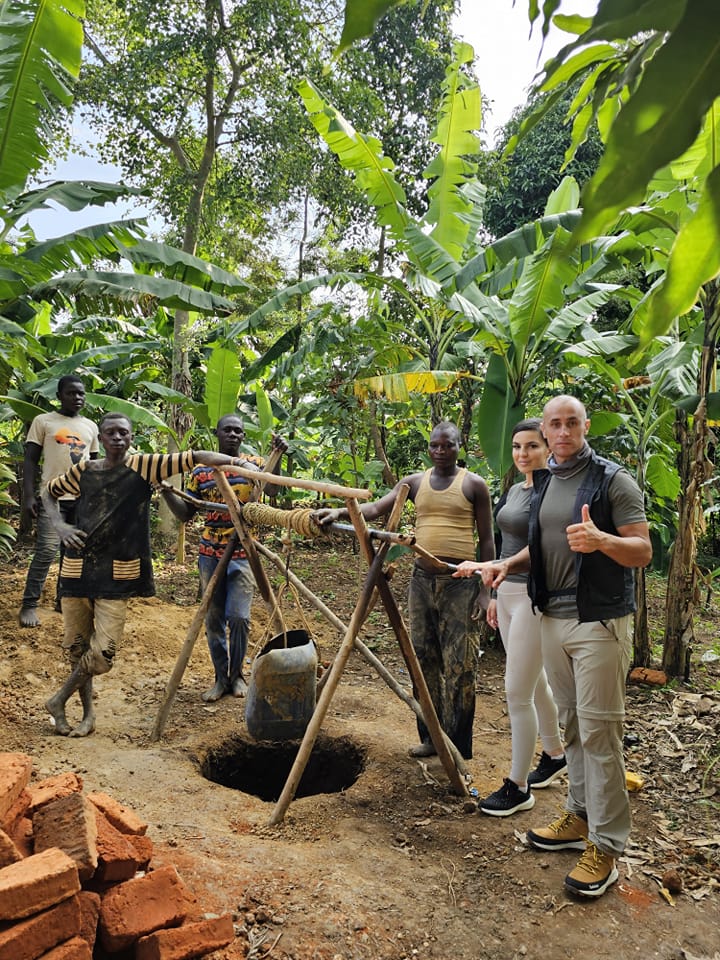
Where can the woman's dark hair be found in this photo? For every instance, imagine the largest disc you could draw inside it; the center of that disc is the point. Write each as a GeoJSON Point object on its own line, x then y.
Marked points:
{"type": "Point", "coordinates": [532, 423]}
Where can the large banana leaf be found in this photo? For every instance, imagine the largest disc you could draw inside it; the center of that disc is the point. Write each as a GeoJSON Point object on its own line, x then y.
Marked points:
{"type": "Point", "coordinates": [120, 351]}
{"type": "Point", "coordinates": [516, 245]}
{"type": "Point", "coordinates": [71, 194]}
{"type": "Point", "coordinates": [134, 412]}
{"type": "Point", "coordinates": [282, 345]}
{"type": "Point", "coordinates": [175, 264]}
{"type": "Point", "coordinates": [496, 415]}
{"type": "Point", "coordinates": [222, 382]}
{"type": "Point", "coordinates": [92, 291]}
{"type": "Point", "coordinates": [399, 386]}
{"type": "Point", "coordinates": [362, 154]}
{"type": "Point", "coordinates": [277, 302]}
{"type": "Point", "coordinates": [174, 397]}
{"type": "Point", "coordinates": [360, 19]}
{"type": "Point", "coordinates": [103, 240]}
{"type": "Point", "coordinates": [540, 289]}
{"type": "Point", "coordinates": [430, 255]}
{"type": "Point", "coordinates": [22, 408]}
{"type": "Point", "coordinates": [660, 120]}
{"type": "Point", "coordinates": [459, 118]}
{"type": "Point", "coordinates": [41, 41]}
{"type": "Point", "coordinates": [694, 259]}
{"type": "Point", "coordinates": [704, 155]}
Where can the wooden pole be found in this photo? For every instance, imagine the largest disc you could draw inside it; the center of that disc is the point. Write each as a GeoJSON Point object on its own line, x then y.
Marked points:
{"type": "Point", "coordinates": [319, 486]}
{"type": "Point", "coordinates": [420, 686]}
{"type": "Point", "coordinates": [199, 618]}
{"type": "Point", "coordinates": [321, 708]}
{"type": "Point", "coordinates": [263, 584]}
{"type": "Point", "coordinates": [362, 649]}
{"type": "Point", "coordinates": [190, 638]}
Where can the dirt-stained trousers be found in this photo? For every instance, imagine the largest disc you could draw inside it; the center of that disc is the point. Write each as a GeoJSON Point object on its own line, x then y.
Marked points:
{"type": "Point", "coordinates": [446, 642]}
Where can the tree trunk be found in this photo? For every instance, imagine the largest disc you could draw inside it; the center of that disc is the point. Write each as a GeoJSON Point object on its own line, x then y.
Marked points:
{"type": "Point", "coordinates": [641, 636]}
{"type": "Point", "coordinates": [694, 469]}
{"type": "Point", "coordinates": [389, 478]}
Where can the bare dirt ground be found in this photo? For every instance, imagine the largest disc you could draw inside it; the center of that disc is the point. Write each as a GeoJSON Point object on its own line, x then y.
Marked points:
{"type": "Point", "coordinates": [394, 866]}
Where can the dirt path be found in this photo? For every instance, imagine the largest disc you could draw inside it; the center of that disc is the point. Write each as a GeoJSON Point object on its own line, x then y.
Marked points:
{"type": "Point", "coordinates": [394, 866]}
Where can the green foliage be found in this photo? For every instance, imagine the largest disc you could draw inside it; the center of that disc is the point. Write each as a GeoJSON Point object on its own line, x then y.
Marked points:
{"type": "Point", "coordinates": [40, 45]}
{"type": "Point", "coordinates": [222, 383]}
{"type": "Point", "coordinates": [651, 112]}
{"type": "Point", "coordinates": [536, 166]}
{"type": "Point", "coordinates": [360, 19]}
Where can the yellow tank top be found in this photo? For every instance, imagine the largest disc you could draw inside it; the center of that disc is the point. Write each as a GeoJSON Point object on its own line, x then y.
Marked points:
{"type": "Point", "coordinates": [445, 519]}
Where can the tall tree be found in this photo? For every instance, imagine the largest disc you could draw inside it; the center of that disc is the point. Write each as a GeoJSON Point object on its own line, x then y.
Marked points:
{"type": "Point", "coordinates": [194, 100]}
{"type": "Point", "coordinates": [176, 84]}
{"type": "Point", "coordinates": [537, 165]}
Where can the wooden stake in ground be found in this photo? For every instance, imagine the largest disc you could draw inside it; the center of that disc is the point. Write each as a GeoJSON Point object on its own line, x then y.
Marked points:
{"type": "Point", "coordinates": [321, 708]}
{"type": "Point", "coordinates": [199, 618]}
{"type": "Point", "coordinates": [261, 580]}
{"type": "Point", "coordinates": [190, 638]}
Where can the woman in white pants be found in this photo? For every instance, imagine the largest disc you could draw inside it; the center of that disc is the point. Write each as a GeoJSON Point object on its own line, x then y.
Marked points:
{"type": "Point", "coordinates": [530, 703]}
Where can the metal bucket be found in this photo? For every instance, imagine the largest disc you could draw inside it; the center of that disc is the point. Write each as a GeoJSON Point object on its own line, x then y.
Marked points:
{"type": "Point", "coordinates": [281, 692]}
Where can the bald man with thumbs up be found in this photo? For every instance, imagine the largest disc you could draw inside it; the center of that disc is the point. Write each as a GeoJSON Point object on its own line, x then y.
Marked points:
{"type": "Point", "coordinates": [587, 533]}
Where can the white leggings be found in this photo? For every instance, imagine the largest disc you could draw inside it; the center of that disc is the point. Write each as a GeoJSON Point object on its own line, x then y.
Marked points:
{"type": "Point", "coordinates": [530, 703]}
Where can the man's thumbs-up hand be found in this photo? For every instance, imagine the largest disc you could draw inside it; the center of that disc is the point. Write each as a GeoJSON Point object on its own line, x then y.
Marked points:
{"type": "Point", "coordinates": [584, 537]}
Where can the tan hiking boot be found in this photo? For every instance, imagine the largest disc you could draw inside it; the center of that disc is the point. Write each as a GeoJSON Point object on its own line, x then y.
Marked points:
{"type": "Point", "coordinates": [594, 872]}
{"type": "Point", "coordinates": [568, 832]}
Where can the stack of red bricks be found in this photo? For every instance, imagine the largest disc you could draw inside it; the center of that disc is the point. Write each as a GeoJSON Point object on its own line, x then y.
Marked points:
{"type": "Point", "coordinates": [76, 882]}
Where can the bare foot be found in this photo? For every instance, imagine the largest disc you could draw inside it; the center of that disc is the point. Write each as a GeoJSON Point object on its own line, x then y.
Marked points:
{"type": "Point", "coordinates": [239, 687]}
{"type": "Point", "coordinates": [28, 617]}
{"type": "Point", "coordinates": [56, 709]}
{"type": "Point", "coordinates": [216, 692]}
{"type": "Point", "coordinates": [85, 727]}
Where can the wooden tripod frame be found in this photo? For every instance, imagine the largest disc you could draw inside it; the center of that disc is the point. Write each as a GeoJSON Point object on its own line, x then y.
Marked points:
{"type": "Point", "coordinates": [375, 587]}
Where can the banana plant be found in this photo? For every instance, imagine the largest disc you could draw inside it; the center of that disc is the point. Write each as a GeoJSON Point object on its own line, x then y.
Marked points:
{"type": "Point", "coordinates": [433, 247]}
{"type": "Point", "coordinates": [516, 300]}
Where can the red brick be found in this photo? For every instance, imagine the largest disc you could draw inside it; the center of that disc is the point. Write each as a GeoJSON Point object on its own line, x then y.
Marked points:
{"type": "Point", "coordinates": [52, 788]}
{"type": "Point", "coordinates": [22, 837]}
{"type": "Point", "coordinates": [140, 906]}
{"type": "Point", "coordinates": [36, 883]}
{"type": "Point", "coordinates": [68, 823]}
{"type": "Point", "coordinates": [15, 772]}
{"type": "Point", "coordinates": [143, 847]}
{"type": "Point", "coordinates": [116, 855]}
{"type": "Point", "coordinates": [9, 853]}
{"type": "Point", "coordinates": [655, 678]}
{"type": "Point", "coordinates": [120, 816]}
{"type": "Point", "coordinates": [188, 941]}
{"type": "Point", "coordinates": [32, 937]}
{"type": "Point", "coordinates": [89, 915]}
{"type": "Point", "coordinates": [75, 949]}
{"type": "Point", "coordinates": [16, 813]}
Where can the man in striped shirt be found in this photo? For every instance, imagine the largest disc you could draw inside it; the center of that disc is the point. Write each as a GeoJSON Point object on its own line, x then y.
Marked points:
{"type": "Point", "coordinates": [107, 554]}
{"type": "Point", "coordinates": [227, 622]}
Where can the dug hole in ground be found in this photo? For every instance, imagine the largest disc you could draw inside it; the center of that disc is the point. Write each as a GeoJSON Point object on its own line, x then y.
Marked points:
{"type": "Point", "coordinates": [391, 864]}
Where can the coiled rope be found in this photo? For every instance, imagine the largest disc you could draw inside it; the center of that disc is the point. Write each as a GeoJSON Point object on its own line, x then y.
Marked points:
{"type": "Point", "coordinates": [299, 521]}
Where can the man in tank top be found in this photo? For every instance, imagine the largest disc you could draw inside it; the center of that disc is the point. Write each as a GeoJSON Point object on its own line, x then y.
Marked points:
{"type": "Point", "coordinates": [452, 505]}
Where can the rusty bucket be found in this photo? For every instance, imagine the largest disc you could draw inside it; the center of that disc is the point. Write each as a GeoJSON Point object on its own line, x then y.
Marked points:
{"type": "Point", "coordinates": [281, 692]}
